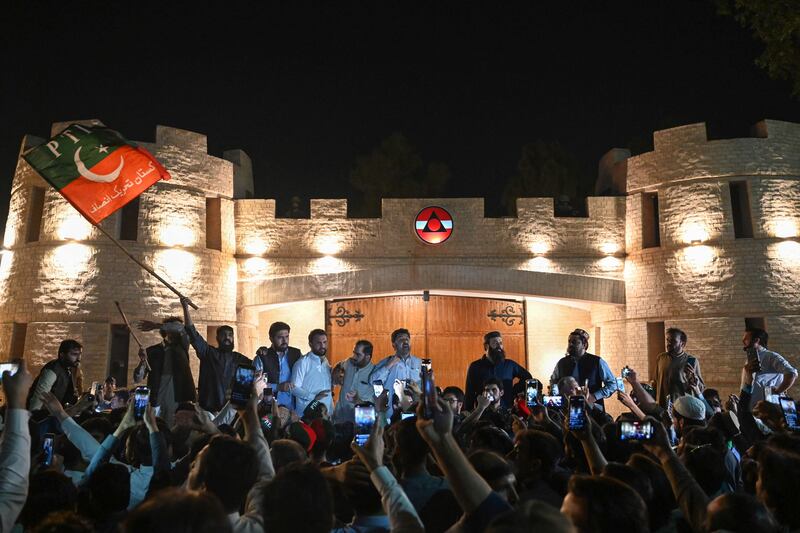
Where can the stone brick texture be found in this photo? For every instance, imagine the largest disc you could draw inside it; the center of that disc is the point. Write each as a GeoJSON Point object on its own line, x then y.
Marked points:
{"type": "Point", "coordinates": [66, 287]}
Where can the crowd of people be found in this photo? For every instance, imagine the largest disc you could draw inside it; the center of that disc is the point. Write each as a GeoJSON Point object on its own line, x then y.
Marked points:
{"type": "Point", "coordinates": [392, 452]}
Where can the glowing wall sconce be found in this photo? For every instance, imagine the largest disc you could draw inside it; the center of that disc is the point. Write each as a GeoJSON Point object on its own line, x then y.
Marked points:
{"type": "Point", "coordinates": [610, 263]}
{"type": "Point", "coordinates": [328, 265]}
{"type": "Point", "coordinates": [71, 260]}
{"type": "Point", "coordinates": [789, 251]}
{"type": "Point", "coordinates": [177, 235]}
{"type": "Point", "coordinates": [698, 257]}
{"type": "Point", "coordinates": [178, 265]}
{"type": "Point", "coordinates": [609, 248]}
{"type": "Point", "coordinates": [695, 233]}
{"type": "Point", "coordinates": [255, 246]}
{"type": "Point", "coordinates": [74, 228]}
{"type": "Point", "coordinates": [540, 248]}
{"type": "Point", "coordinates": [255, 265]}
{"type": "Point", "coordinates": [328, 244]}
{"type": "Point", "coordinates": [785, 228]}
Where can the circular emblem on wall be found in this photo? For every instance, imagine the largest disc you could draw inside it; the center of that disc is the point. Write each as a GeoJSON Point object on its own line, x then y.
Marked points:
{"type": "Point", "coordinates": [433, 225]}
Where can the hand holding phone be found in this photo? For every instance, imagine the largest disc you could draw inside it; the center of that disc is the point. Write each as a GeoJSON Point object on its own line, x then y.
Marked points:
{"type": "Point", "coordinates": [48, 444]}
{"type": "Point", "coordinates": [8, 367]}
{"type": "Point", "coordinates": [242, 386]}
{"type": "Point", "coordinates": [141, 399]}
{"type": "Point", "coordinates": [577, 413]}
{"type": "Point", "coordinates": [364, 420]}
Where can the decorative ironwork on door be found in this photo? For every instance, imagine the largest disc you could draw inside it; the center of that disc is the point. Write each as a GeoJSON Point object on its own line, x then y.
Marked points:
{"type": "Point", "coordinates": [508, 314]}
{"type": "Point", "coordinates": [342, 316]}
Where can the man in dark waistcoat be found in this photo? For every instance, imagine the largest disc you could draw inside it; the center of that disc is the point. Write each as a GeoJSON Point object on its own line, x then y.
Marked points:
{"type": "Point", "coordinates": [584, 366]}
{"type": "Point", "coordinates": [58, 376]}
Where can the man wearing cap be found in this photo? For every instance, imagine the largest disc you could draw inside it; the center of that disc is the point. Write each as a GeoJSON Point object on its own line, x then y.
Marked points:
{"type": "Point", "coordinates": [688, 411]}
{"type": "Point", "coordinates": [585, 367]}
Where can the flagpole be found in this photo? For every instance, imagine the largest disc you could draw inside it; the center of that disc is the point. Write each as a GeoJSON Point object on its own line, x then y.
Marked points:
{"type": "Point", "coordinates": [144, 266]}
{"type": "Point", "coordinates": [130, 330]}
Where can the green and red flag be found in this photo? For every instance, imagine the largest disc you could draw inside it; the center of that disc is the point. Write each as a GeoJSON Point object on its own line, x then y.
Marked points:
{"type": "Point", "coordinates": [96, 169]}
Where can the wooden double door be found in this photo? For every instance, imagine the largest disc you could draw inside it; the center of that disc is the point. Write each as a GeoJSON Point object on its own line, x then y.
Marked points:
{"type": "Point", "coordinates": [447, 329]}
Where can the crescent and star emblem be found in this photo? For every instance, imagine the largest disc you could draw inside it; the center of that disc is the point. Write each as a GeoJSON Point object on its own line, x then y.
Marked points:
{"type": "Point", "coordinates": [91, 176]}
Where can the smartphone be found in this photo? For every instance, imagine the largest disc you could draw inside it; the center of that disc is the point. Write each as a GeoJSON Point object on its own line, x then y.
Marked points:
{"type": "Point", "coordinates": [554, 389]}
{"type": "Point", "coordinates": [634, 430]}
{"type": "Point", "coordinates": [752, 357]}
{"type": "Point", "coordinates": [365, 419]}
{"type": "Point", "coordinates": [242, 385]}
{"type": "Point", "coordinates": [377, 387]}
{"type": "Point", "coordinates": [577, 412]}
{"type": "Point", "coordinates": [426, 365]}
{"type": "Point", "coordinates": [8, 367]}
{"type": "Point", "coordinates": [625, 371]}
{"type": "Point", "coordinates": [141, 397]}
{"type": "Point", "coordinates": [428, 393]}
{"type": "Point", "coordinates": [266, 424]}
{"type": "Point", "coordinates": [553, 401]}
{"type": "Point", "coordinates": [406, 416]}
{"type": "Point", "coordinates": [47, 448]}
{"type": "Point", "coordinates": [621, 384]}
{"type": "Point", "coordinates": [789, 412]}
{"type": "Point", "coordinates": [531, 392]}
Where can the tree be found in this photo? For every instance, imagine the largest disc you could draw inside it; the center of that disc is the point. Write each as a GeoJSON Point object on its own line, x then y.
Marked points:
{"type": "Point", "coordinates": [544, 170]}
{"type": "Point", "coordinates": [394, 169]}
{"type": "Point", "coordinates": [776, 23]}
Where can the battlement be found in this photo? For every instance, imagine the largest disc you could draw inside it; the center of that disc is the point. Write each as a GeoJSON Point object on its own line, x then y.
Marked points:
{"type": "Point", "coordinates": [685, 153]}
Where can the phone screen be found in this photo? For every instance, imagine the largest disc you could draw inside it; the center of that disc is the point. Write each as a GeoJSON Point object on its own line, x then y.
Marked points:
{"type": "Point", "coordinates": [242, 384]}
{"type": "Point", "coordinates": [635, 430]}
{"type": "Point", "coordinates": [365, 419]}
{"type": "Point", "coordinates": [406, 416]}
{"type": "Point", "coordinates": [428, 393]}
{"type": "Point", "coordinates": [554, 389]}
{"type": "Point", "coordinates": [141, 397]}
{"type": "Point", "coordinates": [8, 367]}
{"type": "Point", "coordinates": [531, 392]}
{"type": "Point", "coordinates": [553, 401]}
{"type": "Point", "coordinates": [577, 412]}
{"type": "Point", "coordinates": [47, 448]}
{"type": "Point", "coordinates": [377, 387]}
{"type": "Point", "coordinates": [789, 412]}
{"type": "Point", "coordinates": [620, 384]}
{"type": "Point", "coordinates": [426, 365]}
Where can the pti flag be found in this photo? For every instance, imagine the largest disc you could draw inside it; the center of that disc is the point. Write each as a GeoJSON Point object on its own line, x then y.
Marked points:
{"type": "Point", "coordinates": [96, 169]}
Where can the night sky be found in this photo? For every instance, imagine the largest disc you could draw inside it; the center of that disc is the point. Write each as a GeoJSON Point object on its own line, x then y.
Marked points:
{"type": "Point", "coordinates": [306, 89]}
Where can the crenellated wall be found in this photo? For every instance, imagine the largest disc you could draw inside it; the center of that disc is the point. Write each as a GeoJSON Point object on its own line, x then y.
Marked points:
{"type": "Point", "coordinates": [701, 278]}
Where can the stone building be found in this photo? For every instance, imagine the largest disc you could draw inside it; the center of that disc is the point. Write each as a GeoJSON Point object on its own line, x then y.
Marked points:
{"type": "Point", "coordinates": [699, 234]}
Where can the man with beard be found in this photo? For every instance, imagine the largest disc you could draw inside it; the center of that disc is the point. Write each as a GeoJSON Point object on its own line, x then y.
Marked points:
{"type": "Point", "coordinates": [353, 376]}
{"type": "Point", "coordinates": [676, 370]}
{"type": "Point", "coordinates": [166, 367]}
{"type": "Point", "coordinates": [493, 364]}
{"type": "Point", "coordinates": [585, 367]}
{"type": "Point", "coordinates": [311, 375]}
{"type": "Point", "coordinates": [58, 376]}
{"type": "Point", "coordinates": [217, 364]}
{"type": "Point", "coordinates": [277, 361]}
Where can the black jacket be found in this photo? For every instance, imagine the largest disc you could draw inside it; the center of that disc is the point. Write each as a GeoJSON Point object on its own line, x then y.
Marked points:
{"type": "Point", "coordinates": [271, 365]}
{"type": "Point", "coordinates": [217, 368]}
{"type": "Point", "coordinates": [181, 374]}
{"type": "Point", "coordinates": [63, 388]}
{"type": "Point", "coordinates": [588, 369]}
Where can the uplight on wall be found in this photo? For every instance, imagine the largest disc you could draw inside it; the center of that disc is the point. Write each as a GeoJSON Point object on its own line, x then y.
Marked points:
{"type": "Point", "coordinates": [785, 228]}
{"type": "Point", "coordinates": [789, 251]}
{"type": "Point", "coordinates": [255, 266]}
{"type": "Point", "coordinates": [699, 257]}
{"type": "Point", "coordinates": [610, 263]}
{"type": "Point", "coordinates": [328, 265]}
{"type": "Point", "coordinates": [71, 260]}
{"type": "Point", "coordinates": [178, 265]}
{"type": "Point", "coordinates": [328, 244]}
{"type": "Point", "coordinates": [540, 248]}
{"type": "Point", "coordinates": [695, 233]}
{"type": "Point", "coordinates": [609, 248]}
{"type": "Point", "coordinates": [255, 246]}
{"type": "Point", "coordinates": [74, 228]}
{"type": "Point", "coordinates": [537, 264]}
{"type": "Point", "coordinates": [176, 235]}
